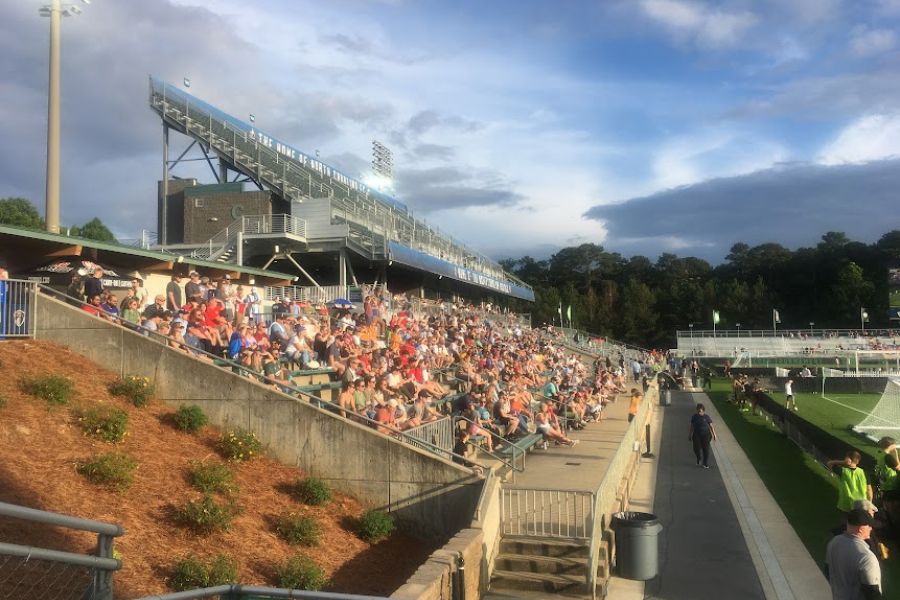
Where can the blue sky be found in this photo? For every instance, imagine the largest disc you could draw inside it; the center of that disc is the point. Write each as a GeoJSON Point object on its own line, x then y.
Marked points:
{"type": "Point", "coordinates": [517, 126]}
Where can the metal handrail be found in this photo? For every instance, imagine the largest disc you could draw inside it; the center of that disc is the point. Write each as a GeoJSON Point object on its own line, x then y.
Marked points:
{"type": "Point", "coordinates": [238, 591]}
{"type": "Point", "coordinates": [832, 333]}
{"type": "Point", "coordinates": [548, 513]}
{"type": "Point", "coordinates": [250, 373]}
{"type": "Point", "coordinates": [493, 455]}
{"type": "Point", "coordinates": [51, 518]}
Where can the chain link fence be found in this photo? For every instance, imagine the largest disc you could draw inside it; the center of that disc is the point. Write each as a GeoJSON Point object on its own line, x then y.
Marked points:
{"type": "Point", "coordinates": [36, 579]}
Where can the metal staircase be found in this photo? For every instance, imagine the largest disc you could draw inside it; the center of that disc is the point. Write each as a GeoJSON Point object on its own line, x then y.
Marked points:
{"type": "Point", "coordinates": [222, 247]}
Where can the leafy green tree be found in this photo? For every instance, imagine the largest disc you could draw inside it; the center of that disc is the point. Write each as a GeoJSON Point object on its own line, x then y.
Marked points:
{"type": "Point", "coordinates": [19, 212]}
{"type": "Point", "coordinates": [94, 230]}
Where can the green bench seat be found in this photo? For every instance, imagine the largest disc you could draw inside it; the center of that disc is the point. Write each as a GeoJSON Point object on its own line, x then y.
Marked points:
{"type": "Point", "coordinates": [325, 391]}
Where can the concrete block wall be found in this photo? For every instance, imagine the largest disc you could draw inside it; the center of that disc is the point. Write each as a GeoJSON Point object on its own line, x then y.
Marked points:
{"type": "Point", "coordinates": [430, 497]}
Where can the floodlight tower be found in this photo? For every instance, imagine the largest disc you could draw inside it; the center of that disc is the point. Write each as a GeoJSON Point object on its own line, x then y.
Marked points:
{"type": "Point", "coordinates": [56, 11]}
{"type": "Point", "coordinates": [382, 161]}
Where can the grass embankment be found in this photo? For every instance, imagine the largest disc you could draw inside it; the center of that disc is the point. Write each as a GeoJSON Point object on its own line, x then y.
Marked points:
{"type": "Point", "coordinates": [836, 414]}
{"type": "Point", "coordinates": [803, 488]}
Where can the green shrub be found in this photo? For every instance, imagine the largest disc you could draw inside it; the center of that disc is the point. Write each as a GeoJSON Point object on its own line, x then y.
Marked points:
{"type": "Point", "coordinates": [205, 515]}
{"type": "Point", "coordinates": [298, 529]}
{"type": "Point", "coordinates": [55, 389]}
{"type": "Point", "coordinates": [190, 418]}
{"type": "Point", "coordinates": [192, 573]}
{"type": "Point", "coordinates": [105, 423]}
{"type": "Point", "coordinates": [301, 573]}
{"type": "Point", "coordinates": [135, 388]}
{"type": "Point", "coordinates": [375, 525]}
{"type": "Point", "coordinates": [212, 478]}
{"type": "Point", "coordinates": [240, 445]}
{"type": "Point", "coordinates": [312, 491]}
{"type": "Point", "coordinates": [111, 470]}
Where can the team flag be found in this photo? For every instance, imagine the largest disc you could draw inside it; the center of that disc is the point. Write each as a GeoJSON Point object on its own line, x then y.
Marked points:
{"type": "Point", "coordinates": [569, 313]}
{"type": "Point", "coordinates": [775, 316]}
{"type": "Point", "coordinates": [187, 82]}
{"type": "Point", "coordinates": [715, 317]}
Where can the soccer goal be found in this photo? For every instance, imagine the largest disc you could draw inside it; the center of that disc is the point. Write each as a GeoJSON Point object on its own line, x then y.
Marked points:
{"type": "Point", "coordinates": [884, 420]}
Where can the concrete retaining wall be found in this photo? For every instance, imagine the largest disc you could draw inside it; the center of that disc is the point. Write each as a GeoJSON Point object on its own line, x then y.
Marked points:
{"type": "Point", "coordinates": [429, 496]}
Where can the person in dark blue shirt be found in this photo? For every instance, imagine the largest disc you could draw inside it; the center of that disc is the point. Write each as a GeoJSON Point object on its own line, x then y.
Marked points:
{"type": "Point", "coordinates": [701, 434]}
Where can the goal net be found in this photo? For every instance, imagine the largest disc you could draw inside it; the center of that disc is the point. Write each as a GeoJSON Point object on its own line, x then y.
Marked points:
{"type": "Point", "coordinates": [884, 420]}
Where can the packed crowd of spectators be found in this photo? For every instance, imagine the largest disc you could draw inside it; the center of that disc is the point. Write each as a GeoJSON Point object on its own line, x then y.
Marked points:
{"type": "Point", "coordinates": [395, 370]}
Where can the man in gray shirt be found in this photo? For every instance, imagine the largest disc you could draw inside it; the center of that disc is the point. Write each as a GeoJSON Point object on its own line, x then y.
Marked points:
{"type": "Point", "coordinates": [851, 568]}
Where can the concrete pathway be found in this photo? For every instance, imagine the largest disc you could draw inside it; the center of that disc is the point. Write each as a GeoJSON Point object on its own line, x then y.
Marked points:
{"type": "Point", "coordinates": [724, 536]}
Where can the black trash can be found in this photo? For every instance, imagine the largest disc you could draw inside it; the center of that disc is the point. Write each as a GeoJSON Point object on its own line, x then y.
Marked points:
{"type": "Point", "coordinates": [637, 545]}
{"type": "Point", "coordinates": [665, 397]}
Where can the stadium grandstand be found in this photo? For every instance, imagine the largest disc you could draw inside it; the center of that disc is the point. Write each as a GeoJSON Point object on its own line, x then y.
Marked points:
{"type": "Point", "coordinates": [304, 216]}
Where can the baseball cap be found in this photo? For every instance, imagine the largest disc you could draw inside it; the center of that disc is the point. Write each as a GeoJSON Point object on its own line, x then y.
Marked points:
{"type": "Point", "coordinates": [865, 505]}
{"type": "Point", "coordinates": [859, 517]}
{"type": "Point", "coordinates": [226, 276]}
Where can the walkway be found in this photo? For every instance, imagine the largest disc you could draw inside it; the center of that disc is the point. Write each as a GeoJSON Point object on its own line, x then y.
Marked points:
{"type": "Point", "coordinates": [723, 534]}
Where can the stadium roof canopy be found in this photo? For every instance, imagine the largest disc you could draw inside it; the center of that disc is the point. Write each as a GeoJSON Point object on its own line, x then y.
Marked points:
{"type": "Point", "coordinates": [25, 248]}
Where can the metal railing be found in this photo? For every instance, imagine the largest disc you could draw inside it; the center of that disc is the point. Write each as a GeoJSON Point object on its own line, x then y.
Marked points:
{"type": "Point", "coordinates": [547, 513]}
{"type": "Point", "coordinates": [238, 591]}
{"type": "Point", "coordinates": [516, 451]}
{"type": "Point", "coordinates": [285, 387]}
{"type": "Point", "coordinates": [438, 433]}
{"type": "Point", "coordinates": [315, 295]}
{"type": "Point", "coordinates": [273, 224]}
{"type": "Point", "coordinates": [17, 308]}
{"type": "Point", "coordinates": [40, 573]}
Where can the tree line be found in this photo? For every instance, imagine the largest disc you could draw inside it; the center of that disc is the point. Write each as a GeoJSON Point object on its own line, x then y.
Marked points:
{"type": "Point", "coordinates": [643, 302]}
{"type": "Point", "coordinates": [20, 212]}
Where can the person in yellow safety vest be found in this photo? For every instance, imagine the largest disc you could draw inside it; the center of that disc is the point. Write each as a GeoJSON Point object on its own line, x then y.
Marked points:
{"type": "Point", "coordinates": [852, 484]}
{"type": "Point", "coordinates": [888, 474]}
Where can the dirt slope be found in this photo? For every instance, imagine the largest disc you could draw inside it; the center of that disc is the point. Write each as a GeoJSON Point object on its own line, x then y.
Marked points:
{"type": "Point", "coordinates": [40, 447]}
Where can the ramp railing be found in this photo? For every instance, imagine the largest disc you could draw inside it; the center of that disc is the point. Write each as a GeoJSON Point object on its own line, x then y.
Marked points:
{"type": "Point", "coordinates": [44, 574]}
{"type": "Point", "coordinates": [547, 513]}
{"type": "Point", "coordinates": [17, 308]}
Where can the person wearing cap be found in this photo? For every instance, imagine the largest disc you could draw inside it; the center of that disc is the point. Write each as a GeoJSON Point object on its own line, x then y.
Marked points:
{"type": "Point", "coordinates": [192, 288]}
{"type": "Point", "coordinates": [851, 568]}
{"type": "Point", "coordinates": [878, 549]}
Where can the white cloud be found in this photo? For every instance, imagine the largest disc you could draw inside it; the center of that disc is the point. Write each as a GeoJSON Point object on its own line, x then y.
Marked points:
{"type": "Point", "coordinates": [869, 42]}
{"type": "Point", "coordinates": [699, 23]}
{"type": "Point", "coordinates": [869, 138]}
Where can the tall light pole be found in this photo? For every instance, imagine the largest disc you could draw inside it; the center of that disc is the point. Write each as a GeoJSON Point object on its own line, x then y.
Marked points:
{"type": "Point", "coordinates": [56, 11]}
{"type": "Point", "coordinates": [691, 327]}
{"type": "Point", "coordinates": [738, 325]}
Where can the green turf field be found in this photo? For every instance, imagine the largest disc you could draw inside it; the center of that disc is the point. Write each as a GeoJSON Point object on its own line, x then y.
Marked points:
{"type": "Point", "coordinates": [803, 488]}
{"type": "Point", "coordinates": [836, 414]}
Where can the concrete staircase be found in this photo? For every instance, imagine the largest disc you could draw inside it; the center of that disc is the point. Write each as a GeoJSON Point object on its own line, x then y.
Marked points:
{"type": "Point", "coordinates": [527, 567]}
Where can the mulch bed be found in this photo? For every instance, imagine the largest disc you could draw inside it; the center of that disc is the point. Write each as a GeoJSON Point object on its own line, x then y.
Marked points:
{"type": "Point", "coordinates": [41, 445]}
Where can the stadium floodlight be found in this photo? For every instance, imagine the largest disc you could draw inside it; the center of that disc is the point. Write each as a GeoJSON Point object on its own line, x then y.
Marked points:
{"type": "Point", "coordinates": [55, 11]}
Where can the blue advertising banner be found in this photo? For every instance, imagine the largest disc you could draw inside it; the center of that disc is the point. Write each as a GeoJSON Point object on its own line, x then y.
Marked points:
{"type": "Point", "coordinates": [426, 262]}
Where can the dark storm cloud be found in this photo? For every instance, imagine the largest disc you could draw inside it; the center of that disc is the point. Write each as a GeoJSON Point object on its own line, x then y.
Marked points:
{"type": "Point", "coordinates": [793, 205]}
{"type": "Point", "coordinates": [448, 188]}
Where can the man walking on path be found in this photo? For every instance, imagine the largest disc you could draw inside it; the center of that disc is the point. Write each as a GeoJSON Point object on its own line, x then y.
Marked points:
{"type": "Point", "coordinates": [701, 433]}
{"type": "Point", "coordinates": [851, 568]}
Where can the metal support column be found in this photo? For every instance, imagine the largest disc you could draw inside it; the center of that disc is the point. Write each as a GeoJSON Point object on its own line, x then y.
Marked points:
{"type": "Point", "coordinates": [164, 218]}
{"type": "Point", "coordinates": [239, 248]}
{"type": "Point", "coordinates": [52, 201]}
{"type": "Point", "coordinates": [342, 267]}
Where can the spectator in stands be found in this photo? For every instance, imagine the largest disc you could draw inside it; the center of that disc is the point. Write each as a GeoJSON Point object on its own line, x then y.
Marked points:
{"type": "Point", "coordinates": [158, 306]}
{"type": "Point", "coordinates": [94, 306]}
{"type": "Point", "coordinates": [852, 484]}
{"type": "Point", "coordinates": [192, 289]}
{"type": "Point", "coordinates": [111, 306]}
{"type": "Point", "coordinates": [634, 405]}
{"type": "Point", "coordinates": [851, 568]}
{"type": "Point", "coordinates": [548, 426]}
{"type": "Point", "coordinates": [130, 311]}
{"type": "Point", "coordinates": [140, 292]}
{"type": "Point", "coordinates": [76, 288]}
{"type": "Point", "coordinates": [93, 286]}
{"type": "Point", "coordinates": [253, 304]}
{"type": "Point", "coordinates": [173, 293]}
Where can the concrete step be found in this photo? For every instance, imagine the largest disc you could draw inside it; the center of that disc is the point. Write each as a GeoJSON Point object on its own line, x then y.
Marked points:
{"type": "Point", "coordinates": [509, 582]}
{"type": "Point", "coordinates": [525, 546]}
{"type": "Point", "coordinates": [558, 565]}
